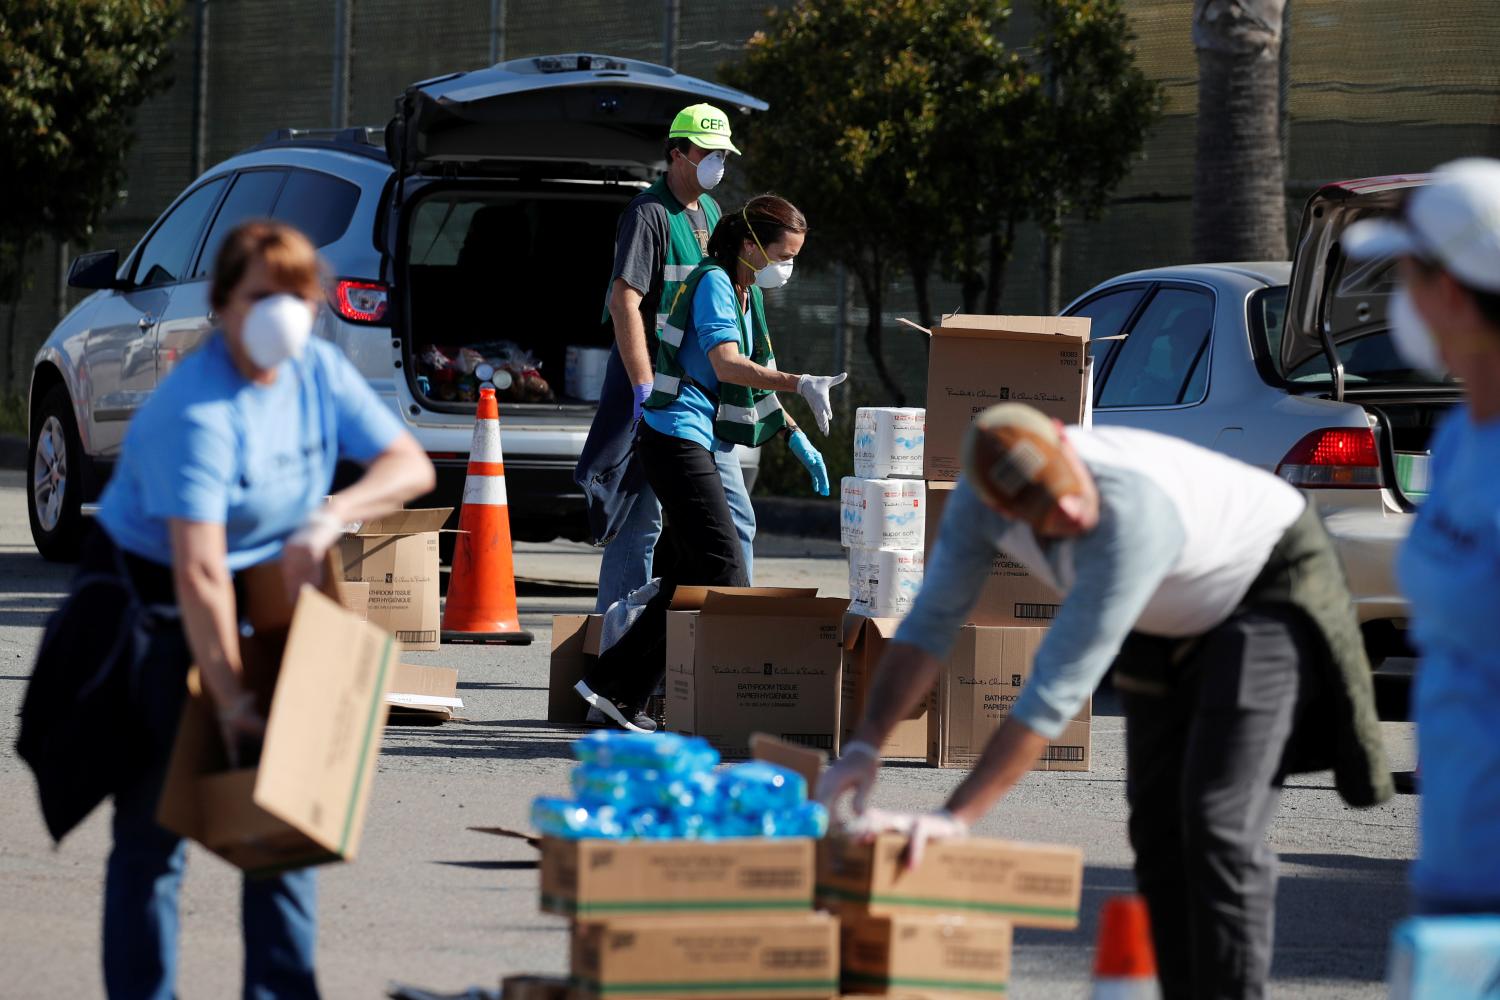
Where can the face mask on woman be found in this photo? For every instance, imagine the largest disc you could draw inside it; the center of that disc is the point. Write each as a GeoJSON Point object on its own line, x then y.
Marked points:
{"type": "Point", "coordinates": [1412, 336]}
{"type": "Point", "coordinates": [776, 272]}
{"type": "Point", "coordinates": [276, 328]}
{"type": "Point", "coordinates": [711, 170]}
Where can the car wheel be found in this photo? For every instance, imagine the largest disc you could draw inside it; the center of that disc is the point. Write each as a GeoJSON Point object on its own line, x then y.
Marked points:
{"type": "Point", "coordinates": [54, 479]}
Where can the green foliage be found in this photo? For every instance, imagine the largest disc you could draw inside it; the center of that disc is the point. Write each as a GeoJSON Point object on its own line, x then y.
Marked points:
{"type": "Point", "coordinates": [915, 142]}
{"type": "Point", "coordinates": [13, 413]}
{"type": "Point", "coordinates": [72, 73]}
{"type": "Point", "coordinates": [1098, 106]}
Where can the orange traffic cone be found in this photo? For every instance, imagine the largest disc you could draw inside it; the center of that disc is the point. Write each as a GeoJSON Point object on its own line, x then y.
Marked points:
{"type": "Point", "coordinates": [1125, 962]}
{"type": "Point", "coordinates": [481, 605]}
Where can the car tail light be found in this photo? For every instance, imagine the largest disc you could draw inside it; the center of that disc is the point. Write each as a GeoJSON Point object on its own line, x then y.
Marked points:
{"type": "Point", "coordinates": [360, 301]}
{"type": "Point", "coordinates": [1333, 458]}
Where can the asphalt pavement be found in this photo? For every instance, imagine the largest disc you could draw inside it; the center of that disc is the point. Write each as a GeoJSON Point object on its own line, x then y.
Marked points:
{"type": "Point", "coordinates": [430, 903]}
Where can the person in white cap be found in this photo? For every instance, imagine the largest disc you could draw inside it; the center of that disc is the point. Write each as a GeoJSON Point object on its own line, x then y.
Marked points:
{"type": "Point", "coordinates": [1213, 588]}
{"type": "Point", "coordinates": [1445, 319]}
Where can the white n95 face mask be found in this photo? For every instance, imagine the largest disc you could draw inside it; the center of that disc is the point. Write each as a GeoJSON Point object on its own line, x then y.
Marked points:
{"type": "Point", "coordinates": [774, 274]}
{"type": "Point", "coordinates": [711, 170]}
{"type": "Point", "coordinates": [1412, 337]}
{"type": "Point", "coordinates": [276, 328]}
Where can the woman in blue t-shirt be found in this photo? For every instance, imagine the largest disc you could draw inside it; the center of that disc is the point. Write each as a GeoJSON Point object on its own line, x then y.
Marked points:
{"type": "Point", "coordinates": [1445, 318]}
{"type": "Point", "coordinates": [721, 343]}
{"type": "Point", "coordinates": [224, 467]}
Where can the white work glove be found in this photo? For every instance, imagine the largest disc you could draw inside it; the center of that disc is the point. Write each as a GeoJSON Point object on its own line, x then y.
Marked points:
{"type": "Point", "coordinates": [855, 769]}
{"type": "Point", "coordinates": [302, 556]}
{"type": "Point", "coordinates": [814, 389]}
{"type": "Point", "coordinates": [920, 830]}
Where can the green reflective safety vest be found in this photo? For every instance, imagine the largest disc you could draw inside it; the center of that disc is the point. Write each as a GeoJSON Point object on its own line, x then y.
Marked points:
{"type": "Point", "coordinates": [683, 254]}
{"type": "Point", "coordinates": [745, 416]}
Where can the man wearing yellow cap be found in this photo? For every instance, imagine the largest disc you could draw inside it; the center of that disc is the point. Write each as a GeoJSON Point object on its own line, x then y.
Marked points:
{"type": "Point", "coordinates": [661, 237]}
{"type": "Point", "coordinates": [1213, 588]}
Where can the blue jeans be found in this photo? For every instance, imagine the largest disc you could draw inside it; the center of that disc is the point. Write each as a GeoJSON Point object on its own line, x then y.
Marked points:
{"type": "Point", "coordinates": [627, 559]}
{"type": "Point", "coordinates": [144, 873]}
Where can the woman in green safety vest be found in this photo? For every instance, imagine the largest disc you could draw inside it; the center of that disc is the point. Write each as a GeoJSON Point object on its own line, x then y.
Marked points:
{"type": "Point", "coordinates": [715, 387]}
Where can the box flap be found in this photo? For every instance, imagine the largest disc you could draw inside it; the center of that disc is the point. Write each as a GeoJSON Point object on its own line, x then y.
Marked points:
{"type": "Point", "coordinates": [855, 625]}
{"type": "Point", "coordinates": [803, 760]}
{"type": "Point", "coordinates": [1040, 328]}
{"type": "Point", "coordinates": [267, 606]}
{"type": "Point", "coordinates": [430, 682]}
{"type": "Point", "coordinates": [740, 605]}
{"type": "Point", "coordinates": [406, 522]}
{"type": "Point", "coordinates": [324, 728]}
{"type": "Point", "coordinates": [692, 598]}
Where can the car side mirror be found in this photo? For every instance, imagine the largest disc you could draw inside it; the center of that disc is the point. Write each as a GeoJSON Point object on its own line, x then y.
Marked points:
{"type": "Point", "coordinates": [96, 270]}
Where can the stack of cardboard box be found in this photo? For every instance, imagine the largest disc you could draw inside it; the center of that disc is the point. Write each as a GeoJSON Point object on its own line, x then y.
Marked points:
{"type": "Point", "coordinates": [975, 362]}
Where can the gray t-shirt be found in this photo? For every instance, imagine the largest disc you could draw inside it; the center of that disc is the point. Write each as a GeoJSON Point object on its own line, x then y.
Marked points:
{"type": "Point", "coordinates": [641, 241]}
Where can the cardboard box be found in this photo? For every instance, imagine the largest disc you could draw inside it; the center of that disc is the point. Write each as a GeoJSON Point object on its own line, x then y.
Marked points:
{"type": "Point", "coordinates": [934, 955]}
{"type": "Point", "coordinates": [754, 663]}
{"type": "Point", "coordinates": [1011, 595]}
{"type": "Point", "coordinates": [975, 362]}
{"type": "Point", "coordinates": [609, 878]}
{"type": "Point", "coordinates": [575, 645]}
{"type": "Point", "coordinates": [979, 685]}
{"type": "Point", "coordinates": [397, 556]}
{"type": "Point", "coordinates": [1031, 885]}
{"type": "Point", "coordinates": [864, 641]}
{"type": "Point", "coordinates": [355, 597]}
{"type": "Point", "coordinates": [422, 695]}
{"type": "Point", "coordinates": [795, 957]}
{"type": "Point", "coordinates": [305, 801]}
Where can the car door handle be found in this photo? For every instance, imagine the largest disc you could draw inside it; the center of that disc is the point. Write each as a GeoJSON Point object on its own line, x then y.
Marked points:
{"type": "Point", "coordinates": [146, 322]}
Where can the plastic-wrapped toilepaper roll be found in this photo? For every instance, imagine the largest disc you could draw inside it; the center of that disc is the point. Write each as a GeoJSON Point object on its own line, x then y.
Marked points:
{"type": "Point", "coordinates": [583, 371]}
{"type": "Point", "coordinates": [883, 583]}
{"type": "Point", "coordinates": [888, 441]}
{"type": "Point", "coordinates": [882, 513]}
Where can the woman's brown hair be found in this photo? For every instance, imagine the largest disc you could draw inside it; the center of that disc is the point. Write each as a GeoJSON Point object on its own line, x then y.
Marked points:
{"type": "Point", "coordinates": [290, 258]}
{"type": "Point", "coordinates": [768, 216]}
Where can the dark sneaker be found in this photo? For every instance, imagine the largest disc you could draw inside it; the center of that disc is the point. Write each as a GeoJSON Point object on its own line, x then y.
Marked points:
{"type": "Point", "coordinates": [625, 716]}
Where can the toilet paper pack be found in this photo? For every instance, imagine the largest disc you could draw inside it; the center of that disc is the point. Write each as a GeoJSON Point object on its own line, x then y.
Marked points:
{"type": "Point", "coordinates": [583, 371]}
{"type": "Point", "coordinates": [888, 441]}
{"type": "Point", "coordinates": [882, 513]}
{"type": "Point", "coordinates": [883, 583]}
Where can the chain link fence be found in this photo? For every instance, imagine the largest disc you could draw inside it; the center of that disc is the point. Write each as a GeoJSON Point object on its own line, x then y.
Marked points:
{"type": "Point", "coordinates": [1381, 86]}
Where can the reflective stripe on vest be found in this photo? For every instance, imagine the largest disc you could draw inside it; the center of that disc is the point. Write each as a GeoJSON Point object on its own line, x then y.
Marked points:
{"type": "Point", "coordinates": [665, 383]}
{"type": "Point", "coordinates": [677, 272]}
{"type": "Point", "coordinates": [670, 334]}
{"type": "Point", "coordinates": [749, 414]}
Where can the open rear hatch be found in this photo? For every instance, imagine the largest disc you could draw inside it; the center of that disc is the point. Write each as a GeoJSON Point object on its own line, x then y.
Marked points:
{"type": "Point", "coordinates": [510, 181]}
{"type": "Point", "coordinates": [1336, 340]}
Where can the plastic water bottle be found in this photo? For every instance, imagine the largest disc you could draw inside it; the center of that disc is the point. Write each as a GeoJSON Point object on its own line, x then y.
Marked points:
{"type": "Point", "coordinates": [670, 753]}
{"type": "Point", "coordinates": [757, 788]}
{"type": "Point", "coordinates": [570, 820]}
{"type": "Point", "coordinates": [622, 787]}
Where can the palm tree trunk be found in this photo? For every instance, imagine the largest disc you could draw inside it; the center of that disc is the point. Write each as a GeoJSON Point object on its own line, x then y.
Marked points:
{"type": "Point", "coordinates": [1002, 241]}
{"type": "Point", "coordinates": [1239, 185]}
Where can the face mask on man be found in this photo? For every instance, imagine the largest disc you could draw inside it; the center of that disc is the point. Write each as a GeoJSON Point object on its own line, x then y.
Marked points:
{"type": "Point", "coordinates": [711, 170]}
{"type": "Point", "coordinates": [1412, 336]}
{"type": "Point", "coordinates": [276, 328]}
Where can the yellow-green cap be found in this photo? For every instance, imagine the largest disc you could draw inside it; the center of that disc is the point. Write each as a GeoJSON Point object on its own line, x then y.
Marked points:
{"type": "Point", "coordinates": [705, 125]}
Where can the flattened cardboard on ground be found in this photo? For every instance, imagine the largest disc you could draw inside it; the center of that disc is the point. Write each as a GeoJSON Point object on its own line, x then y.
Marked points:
{"type": "Point", "coordinates": [423, 694]}
{"type": "Point", "coordinates": [609, 878]}
{"type": "Point", "coordinates": [755, 663]}
{"type": "Point", "coordinates": [1010, 595]}
{"type": "Point", "coordinates": [975, 362]}
{"type": "Point", "coordinates": [1031, 885]}
{"type": "Point", "coordinates": [575, 643]}
{"type": "Point", "coordinates": [533, 988]}
{"type": "Point", "coordinates": [978, 687]}
{"type": "Point", "coordinates": [934, 955]}
{"type": "Point", "coordinates": [397, 555]}
{"type": "Point", "coordinates": [790, 956]}
{"type": "Point", "coordinates": [864, 641]}
{"type": "Point", "coordinates": [305, 801]}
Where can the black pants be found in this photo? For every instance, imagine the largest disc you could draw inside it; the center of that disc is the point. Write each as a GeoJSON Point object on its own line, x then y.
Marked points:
{"type": "Point", "coordinates": [1203, 778]}
{"type": "Point", "coordinates": [706, 552]}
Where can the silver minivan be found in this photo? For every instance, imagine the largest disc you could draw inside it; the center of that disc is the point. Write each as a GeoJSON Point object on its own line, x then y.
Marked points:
{"type": "Point", "coordinates": [470, 242]}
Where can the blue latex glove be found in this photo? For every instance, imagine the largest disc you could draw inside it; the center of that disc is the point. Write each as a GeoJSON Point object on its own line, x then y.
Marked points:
{"type": "Point", "coordinates": [812, 460]}
{"type": "Point", "coordinates": [641, 393]}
